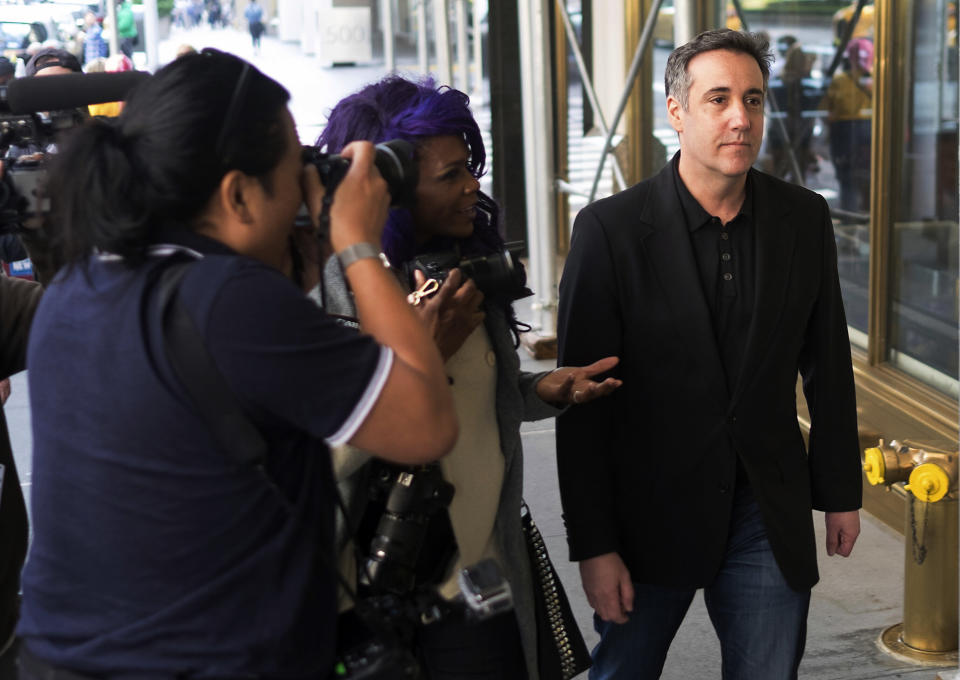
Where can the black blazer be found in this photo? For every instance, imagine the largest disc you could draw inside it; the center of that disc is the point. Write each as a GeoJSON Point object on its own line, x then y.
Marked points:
{"type": "Point", "coordinates": [648, 472]}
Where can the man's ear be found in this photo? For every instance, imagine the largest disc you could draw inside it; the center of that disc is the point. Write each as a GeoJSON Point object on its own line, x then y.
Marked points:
{"type": "Point", "coordinates": [235, 195]}
{"type": "Point", "coordinates": [673, 113]}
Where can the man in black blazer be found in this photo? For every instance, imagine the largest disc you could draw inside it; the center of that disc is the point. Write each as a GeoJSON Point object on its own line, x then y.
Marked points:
{"type": "Point", "coordinates": [716, 284]}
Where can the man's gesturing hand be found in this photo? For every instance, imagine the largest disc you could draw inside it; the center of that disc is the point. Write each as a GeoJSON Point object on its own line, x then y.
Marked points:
{"type": "Point", "coordinates": [842, 531]}
{"type": "Point", "coordinates": [607, 584]}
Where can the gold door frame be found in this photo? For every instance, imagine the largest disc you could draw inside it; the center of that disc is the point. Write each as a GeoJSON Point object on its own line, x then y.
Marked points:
{"type": "Point", "coordinates": [930, 409]}
{"type": "Point", "coordinates": [636, 147]}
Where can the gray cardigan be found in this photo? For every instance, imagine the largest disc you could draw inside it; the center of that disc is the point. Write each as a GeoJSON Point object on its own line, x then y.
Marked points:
{"type": "Point", "coordinates": [517, 401]}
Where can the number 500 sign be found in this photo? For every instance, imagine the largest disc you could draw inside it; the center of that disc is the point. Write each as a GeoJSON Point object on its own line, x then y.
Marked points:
{"type": "Point", "coordinates": [345, 35]}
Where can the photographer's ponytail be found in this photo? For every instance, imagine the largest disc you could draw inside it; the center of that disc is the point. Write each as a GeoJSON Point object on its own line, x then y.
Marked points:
{"type": "Point", "coordinates": [116, 184]}
{"type": "Point", "coordinates": [97, 195]}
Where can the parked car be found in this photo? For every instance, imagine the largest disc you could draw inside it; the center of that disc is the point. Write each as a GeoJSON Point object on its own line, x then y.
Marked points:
{"type": "Point", "coordinates": [21, 25]}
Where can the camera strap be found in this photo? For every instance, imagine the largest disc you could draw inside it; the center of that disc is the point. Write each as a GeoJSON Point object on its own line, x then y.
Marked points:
{"type": "Point", "coordinates": [198, 375]}
{"type": "Point", "coordinates": [213, 399]}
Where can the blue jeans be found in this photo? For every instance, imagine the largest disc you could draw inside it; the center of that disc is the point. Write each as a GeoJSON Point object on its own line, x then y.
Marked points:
{"type": "Point", "coordinates": [760, 620]}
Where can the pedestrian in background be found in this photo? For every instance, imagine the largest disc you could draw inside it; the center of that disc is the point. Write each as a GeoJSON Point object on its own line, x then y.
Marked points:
{"type": "Point", "coordinates": [254, 17]}
{"type": "Point", "coordinates": [126, 28]}
{"type": "Point", "coordinates": [849, 106]}
{"type": "Point", "coordinates": [94, 46]}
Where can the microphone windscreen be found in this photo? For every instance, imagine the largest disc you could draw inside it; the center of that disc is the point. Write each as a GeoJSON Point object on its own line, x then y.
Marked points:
{"type": "Point", "coordinates": [69, 91]}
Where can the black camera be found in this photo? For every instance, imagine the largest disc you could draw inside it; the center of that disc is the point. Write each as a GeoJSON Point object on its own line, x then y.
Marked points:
{"type": "Point", "coordinates": [394, 160]}
{"type": "Point", "coordinates": [375, 638]}
{"type": "Point", "coordinates": [499, 276]}
{"type": "Point", "coordinates": [409, 504]}
{"type": "Point", "coordinates": [410, 551]}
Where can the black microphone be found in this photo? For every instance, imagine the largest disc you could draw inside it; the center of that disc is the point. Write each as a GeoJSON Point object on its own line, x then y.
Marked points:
{"type": "Point", "coordinates": [69, 91]}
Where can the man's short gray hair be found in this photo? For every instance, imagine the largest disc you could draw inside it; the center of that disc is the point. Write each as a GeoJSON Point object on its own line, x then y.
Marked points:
{"type": "Point", "coordinates": [676, 79]}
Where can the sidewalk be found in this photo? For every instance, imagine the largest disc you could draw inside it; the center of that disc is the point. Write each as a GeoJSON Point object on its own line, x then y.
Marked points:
{"type": "Point", "coordinates": [855, 600]}
{"type": "Point", "coordinates": [313, 88]}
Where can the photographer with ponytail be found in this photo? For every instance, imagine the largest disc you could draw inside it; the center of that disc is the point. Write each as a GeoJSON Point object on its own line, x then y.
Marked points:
{"type": "Point", "coordinates": [155, 554]}
{"type": "Point", "coordinates": [477, 337]}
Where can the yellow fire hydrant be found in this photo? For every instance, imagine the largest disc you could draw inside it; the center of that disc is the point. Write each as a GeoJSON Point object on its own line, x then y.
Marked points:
{"type": "Point", "coordinates": [928, 634]}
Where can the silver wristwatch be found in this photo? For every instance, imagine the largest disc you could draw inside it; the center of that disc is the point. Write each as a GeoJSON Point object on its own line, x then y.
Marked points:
{"type": "Point", "coordinates": [360, 251]}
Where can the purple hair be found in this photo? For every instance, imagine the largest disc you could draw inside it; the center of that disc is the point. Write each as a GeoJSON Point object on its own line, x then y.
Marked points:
{"type": "Point", "coordinates": [397, 108]}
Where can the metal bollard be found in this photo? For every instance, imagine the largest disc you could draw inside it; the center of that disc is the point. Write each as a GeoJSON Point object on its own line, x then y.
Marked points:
{"type": "Point", "coordinates": [928, 634]}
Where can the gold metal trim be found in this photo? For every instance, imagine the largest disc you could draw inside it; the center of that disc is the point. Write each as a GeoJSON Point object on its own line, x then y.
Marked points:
{"type": "Point", "coordinates": [908, 395]}
{"type": "Point", "coordinates": [890, 641]}
{"type": "Point", "coordinates": [886, 153]}
{"type": "Point", "coordinates": [639, 112]}
{"type": "Point", "coordinates": [930, 620]}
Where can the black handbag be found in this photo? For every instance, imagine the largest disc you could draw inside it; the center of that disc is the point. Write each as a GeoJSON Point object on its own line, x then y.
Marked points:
{"type": "Point", "coordinates": [561, 650]}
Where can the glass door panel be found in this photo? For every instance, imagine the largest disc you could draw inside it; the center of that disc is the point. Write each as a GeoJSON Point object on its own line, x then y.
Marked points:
{"type": "Point", "coordinates": [922, 313]}
{"type": "Point", "coordinates": [819, 119]}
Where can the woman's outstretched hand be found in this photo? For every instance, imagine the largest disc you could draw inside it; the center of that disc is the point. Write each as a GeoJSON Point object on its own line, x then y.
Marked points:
{"type": "Point", "coordinates": [575, 384]}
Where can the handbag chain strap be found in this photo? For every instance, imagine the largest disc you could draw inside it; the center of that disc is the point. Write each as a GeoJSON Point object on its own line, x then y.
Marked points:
{"type": "Point", "coordinates": [547, 582]}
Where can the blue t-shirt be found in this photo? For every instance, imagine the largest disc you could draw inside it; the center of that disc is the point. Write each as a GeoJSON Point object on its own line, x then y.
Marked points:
{"type": "Point", "coordinates": [94, 45]}
{"type": "Point", "coordinates": [153, 552]}
{"type": "Point", "coordinates": [253, 13]}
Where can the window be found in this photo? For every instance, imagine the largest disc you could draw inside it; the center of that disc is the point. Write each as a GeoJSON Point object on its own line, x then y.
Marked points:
{"type": "Point", "coordinates": [922, 307]}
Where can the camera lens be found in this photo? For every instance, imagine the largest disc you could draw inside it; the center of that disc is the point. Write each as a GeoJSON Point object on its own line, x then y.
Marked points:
{"type": "Point", "coordinates": [498, 275]}
{"type": "Point", "coordinates": [416, 499]}
{"type": "Point", "coordinates": [394, 160]}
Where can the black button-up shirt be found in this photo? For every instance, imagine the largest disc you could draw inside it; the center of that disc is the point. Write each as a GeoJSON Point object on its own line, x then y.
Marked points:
{"type": "Point", "coordinates": [726, 262]}
{"type": "Point", "coordinates": [727, 266]}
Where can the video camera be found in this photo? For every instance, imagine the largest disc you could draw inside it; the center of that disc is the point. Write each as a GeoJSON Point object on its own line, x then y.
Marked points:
{"type": "Point", "coordinates": [33, 113]}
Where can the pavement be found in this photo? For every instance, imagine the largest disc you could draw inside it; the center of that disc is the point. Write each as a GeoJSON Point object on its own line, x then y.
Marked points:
{"type": "Point", "coordinates": [857, 597]}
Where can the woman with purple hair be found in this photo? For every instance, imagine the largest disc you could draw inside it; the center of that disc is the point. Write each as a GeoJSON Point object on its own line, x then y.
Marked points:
{"type": "Point", "coordinates": [477, 335]}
